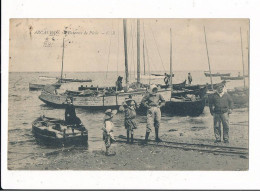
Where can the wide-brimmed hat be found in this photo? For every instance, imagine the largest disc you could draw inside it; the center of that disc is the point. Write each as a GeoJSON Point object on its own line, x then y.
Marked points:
{"type": "Point", "coordinates": [109, 113]}
{"type": "Point", "coordinates": [129, 101]}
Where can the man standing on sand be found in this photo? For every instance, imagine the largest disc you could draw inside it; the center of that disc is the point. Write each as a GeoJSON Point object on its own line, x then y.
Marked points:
{"type": "Point", "coordinates": [153, 102]}
{"type": "Point", "coordinates": [221, 106]}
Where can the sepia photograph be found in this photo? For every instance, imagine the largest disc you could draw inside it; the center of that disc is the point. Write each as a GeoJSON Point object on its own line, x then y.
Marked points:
{"type": "Point", "coordinates": [128, 94]}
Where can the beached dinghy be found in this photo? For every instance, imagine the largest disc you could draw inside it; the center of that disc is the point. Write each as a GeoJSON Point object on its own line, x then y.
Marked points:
{"type": "Point", "coordinates": [53, 131]}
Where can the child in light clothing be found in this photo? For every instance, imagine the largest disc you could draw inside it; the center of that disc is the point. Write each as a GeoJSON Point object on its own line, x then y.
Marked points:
{"type": "Point", "coordinates": [108, 136]}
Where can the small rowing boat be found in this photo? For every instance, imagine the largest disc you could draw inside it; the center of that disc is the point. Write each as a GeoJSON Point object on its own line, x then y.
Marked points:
{"type": "Point", "coordinates": [53, 131]}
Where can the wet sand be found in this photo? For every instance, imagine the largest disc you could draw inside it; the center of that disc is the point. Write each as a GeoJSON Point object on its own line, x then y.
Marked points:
{"type": "Point", "coordinates": [150, 157]}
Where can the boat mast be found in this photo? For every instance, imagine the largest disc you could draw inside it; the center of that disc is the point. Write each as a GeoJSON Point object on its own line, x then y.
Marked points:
{"type": "Point", "coordinates": [126, 59]}
{"type": "Point", "coordinates": [144, 56]}
{"type": "Point", "coordinates": [242, 58]}
{"type": "Point", "coordinates": [138, 52]}
{"type": "Point", "coordinates": [171, 59]}
{"type": "Point", "coordinates": [62, 62]}
{"type": "Point", "coordinates": [208, 58]}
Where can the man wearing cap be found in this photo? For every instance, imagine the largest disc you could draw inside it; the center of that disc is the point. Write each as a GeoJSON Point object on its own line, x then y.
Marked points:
{"type": "Point", "coordinates": [153, 102]}
{"type": "Point", "coordinates": [221, 105]}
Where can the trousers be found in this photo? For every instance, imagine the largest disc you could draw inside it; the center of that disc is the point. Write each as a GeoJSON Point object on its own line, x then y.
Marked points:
{"type": "Point", "coordinates": [153, 118]}
{"type": "Point", "coordinates": [224, 119]}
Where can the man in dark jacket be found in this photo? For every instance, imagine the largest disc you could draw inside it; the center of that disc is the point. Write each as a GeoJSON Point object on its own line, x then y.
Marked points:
{"type": "Point", "coordinates": [221, 105]}
{"type": "Point", "coordinates": [70, 113]}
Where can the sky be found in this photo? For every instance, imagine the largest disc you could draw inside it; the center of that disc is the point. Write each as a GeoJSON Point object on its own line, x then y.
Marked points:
{"type": "Point", "coordinates": [98, 45]}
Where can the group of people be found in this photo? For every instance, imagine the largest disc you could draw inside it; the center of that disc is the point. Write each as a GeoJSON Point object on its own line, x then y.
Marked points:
{"type": "Point", "coordinates": [220, 104]}
{"type": "Point", "coordinates": [168, 77]}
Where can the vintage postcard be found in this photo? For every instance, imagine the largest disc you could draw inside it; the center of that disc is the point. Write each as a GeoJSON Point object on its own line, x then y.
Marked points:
{"type": "Point", "coordinates": [128, 94]}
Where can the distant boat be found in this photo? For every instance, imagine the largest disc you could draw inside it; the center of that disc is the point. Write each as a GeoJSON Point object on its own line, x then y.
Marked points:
{"type": "Point", "coordinates": [232, 78]}
{"type": "Point", "coordinates": [66, 80]}
{"type": "Point", "coordinates": [51, 131]}
{"type": "Point", "coordinates": [207, 74]}
{"type": "Point", "coordinates": [33, 87]}
{"type": "Point", "coordinates": [47, 77]}
{"type": "Point", "coordinates": [162, 75]}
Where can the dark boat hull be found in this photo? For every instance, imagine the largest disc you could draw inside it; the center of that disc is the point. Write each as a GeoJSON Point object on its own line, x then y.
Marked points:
{"type": "Point", "coordinates": [47, 137]}
{"type": "Point", "coordinates": [184, 108]}
{"type": "Point", "coordinates": [175, 86]}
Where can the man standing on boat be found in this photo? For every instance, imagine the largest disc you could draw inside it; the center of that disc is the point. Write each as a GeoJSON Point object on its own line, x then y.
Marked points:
{"type": "Point", "coordinates": [119, 83]}
{"type": "Point", "coordinates": [70, 113]}
{"type": "Point", "coordinates": [166, 79]}
{"type": "Point", "coordinates": [189, 78]}
{"type": "Point", "coordinates": [153, 102]}
{"type": "Point", "coordinates": [221, 106]}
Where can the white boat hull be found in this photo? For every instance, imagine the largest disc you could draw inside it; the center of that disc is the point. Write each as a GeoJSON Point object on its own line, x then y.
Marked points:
{"type": "Point", "coordinates": [117, 100]}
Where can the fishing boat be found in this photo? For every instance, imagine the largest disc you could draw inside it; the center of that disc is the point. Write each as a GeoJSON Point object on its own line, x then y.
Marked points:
{"type": "Point", "coordinates": [51, 131]}
{"type": "Point", "coordinates": [207, 74]}
{"type": "Point", "coordinates": [185, 104]}
{"type": "Point", "coordinates": [240, 96]}
{"type": "Point", "coordinates": [184, 92]}
{"type": "Point", "coordinates": [99, 100]}
{"type": "Point", "coordinates": [95, 88]}
{"type": "Point", "coordinates": [232, 78]}
{"type": "Point", "coordinates": [103, 99]}
{"type": "Point", "coordinates": [175, 86]}
{"type": "Point", "coordinates": [33, 87]}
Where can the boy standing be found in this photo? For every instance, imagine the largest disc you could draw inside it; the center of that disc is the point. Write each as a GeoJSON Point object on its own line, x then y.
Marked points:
{"type": "Point", "coordinates": [108, 136]}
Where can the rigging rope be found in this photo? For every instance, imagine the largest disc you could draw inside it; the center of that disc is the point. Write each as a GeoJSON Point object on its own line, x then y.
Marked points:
{"type": "Point", "coordinates": [117, 49]}
{"type": "Point", "coordinates": [148, 61]}
{"type": "Point", "coordinates": [157, 48]}
{"type": "Point", "coordinates": [133, 55]}
{"type": "Point", "coordinates": [109, 49]}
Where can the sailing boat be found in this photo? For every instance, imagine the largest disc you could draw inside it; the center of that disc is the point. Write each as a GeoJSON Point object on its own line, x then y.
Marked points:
{"type": "Point", "coordinates": [183, 105]}
{"type": "Point", "coordinates": [104, 99]}
{"type": "Point", "coordinates": [240, 96]}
